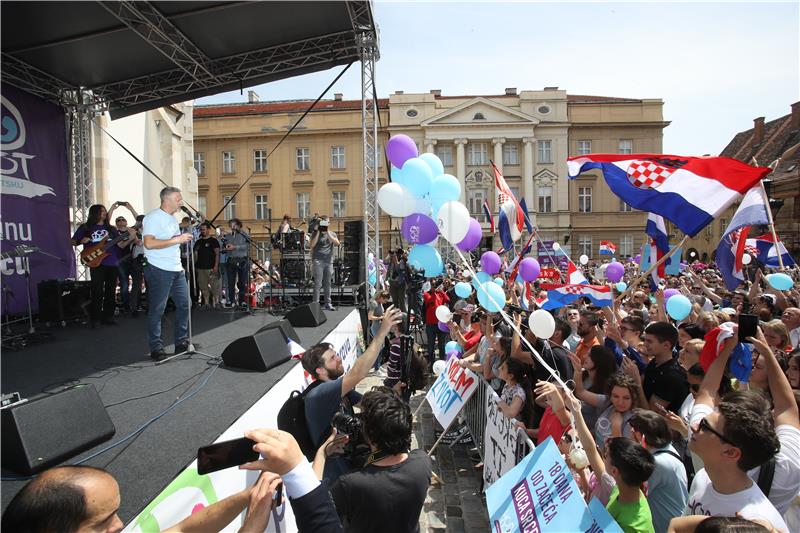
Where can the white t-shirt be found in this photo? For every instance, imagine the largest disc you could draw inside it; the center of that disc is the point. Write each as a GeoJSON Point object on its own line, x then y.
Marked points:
{"type": "Point", "coordinates": [162, 226]}
{"type": "Point", "coordinates": [786, 479]}
{"type": "Point", "coordinates": [749, 503]}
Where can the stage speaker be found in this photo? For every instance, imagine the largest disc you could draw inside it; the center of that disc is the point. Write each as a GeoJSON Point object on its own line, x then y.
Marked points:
{"type": "Point", "coordinates": [353, 234]}
{"type": "Point", "coordinates": [265, 349]}
{"type": "Point", "coordinates": [63, 300]}
{"type": "Point", "coordinates": [285, 327]}
{"type": "Point", "coordinates": [306, 316]}
{"type": "Point", "coordinates": [47, 430]}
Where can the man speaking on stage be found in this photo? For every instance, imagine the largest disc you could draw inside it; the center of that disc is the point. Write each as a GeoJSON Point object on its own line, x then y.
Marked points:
{"type": "Point", "coordinates": [164, 272]}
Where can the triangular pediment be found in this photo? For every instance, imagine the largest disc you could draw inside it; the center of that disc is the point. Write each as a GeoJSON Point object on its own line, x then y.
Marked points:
{"type": "Point", "coordinates": [471, 111]}
{"type": "Point", "coordinates": [545, 177]}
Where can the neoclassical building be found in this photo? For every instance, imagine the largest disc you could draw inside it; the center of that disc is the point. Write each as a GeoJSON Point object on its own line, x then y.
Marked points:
{"type": "Point", "coordinates": [527, 134]}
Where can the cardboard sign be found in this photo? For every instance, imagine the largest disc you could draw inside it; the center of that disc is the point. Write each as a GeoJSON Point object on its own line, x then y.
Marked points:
{"type": "Point", "coordinates": [500, 441]}
{"type": "Point", "coordinates": [450, 392]}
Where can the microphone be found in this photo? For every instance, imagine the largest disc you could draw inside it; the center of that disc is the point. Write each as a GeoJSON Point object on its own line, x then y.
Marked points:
{"type": "Point", "coordinates": [192, 217]}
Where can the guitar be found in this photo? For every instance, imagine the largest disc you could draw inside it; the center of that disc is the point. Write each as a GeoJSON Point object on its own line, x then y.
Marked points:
{"type": "Point", "coordinates": [94, 255]}
{"type": "Point", "coordinates": [19, 251]}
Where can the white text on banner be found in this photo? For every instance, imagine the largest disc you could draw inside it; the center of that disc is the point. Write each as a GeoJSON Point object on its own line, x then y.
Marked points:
{"type": "Point", "coordinates": [450, 392]}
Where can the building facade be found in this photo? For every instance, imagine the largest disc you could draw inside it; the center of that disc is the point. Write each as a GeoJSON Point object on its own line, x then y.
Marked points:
{"type": "Point", "coordinates": [527, 134]}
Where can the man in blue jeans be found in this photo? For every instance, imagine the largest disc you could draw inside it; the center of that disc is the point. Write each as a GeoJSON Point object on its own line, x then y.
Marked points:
{"type": "Point", "coordinates": [164, 273]}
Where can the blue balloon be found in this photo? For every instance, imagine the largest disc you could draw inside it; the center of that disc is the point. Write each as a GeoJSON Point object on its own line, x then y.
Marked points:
{"type": "Point", "coordinates": [480, 278]}
{"type": "Point", "coordinates": [443, 189]}
{"type": "Point", "coordinates": [621, 286]}
{"type": "Point", "coordinates": [463, 290]}
{"type": "Point", "coordinates": [492, 297]}
{"type": "Point", "coordinates": [499, 281]}
{"type": "Point", "coordinates": [780, 282]}
{"type": "Point", "coordinates": [415, 176]}
{"type": "Point", "coordinates": [433, 161]}
{"type": "Point", "coordinates": [453, 346]}
{"type": "Point", "coordinates": [679, 307]}
{"type": "Point", "coordinates": [426, 257]}
{"type": "Point", "coordinates": [373, 278]}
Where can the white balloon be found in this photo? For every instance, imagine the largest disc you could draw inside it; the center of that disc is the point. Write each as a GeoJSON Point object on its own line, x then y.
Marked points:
{"type": "Point", "coordinates": [542, 324]}
{"type": "Point", "coordinates": [746, 259]}
{"type": "Point", "coordinates": [453, 221]}
{"type": "Point", "coordinates": [584, 259]}
{"type": "Point", "coordinates": [443, 314]}
{"type": "Point", "coordinates": [556, 246]}
{"type": "Point", "coordinates": [439, 366]}
{"type": "Point", "coordinates": [396, 201]}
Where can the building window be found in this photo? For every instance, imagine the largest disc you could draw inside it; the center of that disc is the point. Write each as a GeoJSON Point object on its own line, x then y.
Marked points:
{"type": "Point", "coordinates": [475, 200]}
{"type": "Point", "coordinates": [261, 207]}
{"type": "Point", "coordinates": [545, 195]}
{"type": "Point", "coordinates": [478, 154]}
{"type": "Point", "coordinates": [262, 252]}
{"type": "Point", "coordinates": [337, 157]}
{"type": "Point", "coordinates": [200, 163]}
{"type": "Point", "coordinates": [585, 245]}
{"type": "Point", "coordinates": [228, 163]}
{"type": "Point", "coordinates": [624, 207]}
{"type": "Point", "coordinates": [626, 146]}
{"type": "Point", "coordinates": [259, 160]}
{"type": "Point", "coordinates": [230, 210]}
{"type": "Point", "coordinates": [545, 152]}
{"type": "Point", "coordinates": [445, 153]}
{"type": "Point", "coordinates": [515, 191]}
{"type": "Point", "coordinates": [626, 245]}
{"type": "Point", "coordinates": [303, 159]}
{"type": "Point", "coordinates": [584, 147]}
{"type": "Point", "coordinates": [511, 154]}
{"type": "Point", "coordinates": [339, 206]}
{"type": "Point", "coordinates": [723, 225]}
{"type": "Point", "coordinates": [584, 199]}
{"type": "Point", "coordinates": [202, 205]}
{"type": "Point", "coordinates": [303, 204]}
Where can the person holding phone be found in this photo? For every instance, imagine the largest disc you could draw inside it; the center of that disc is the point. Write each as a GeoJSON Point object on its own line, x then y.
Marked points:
{"type": "Point", "coordinates": [322, 243]}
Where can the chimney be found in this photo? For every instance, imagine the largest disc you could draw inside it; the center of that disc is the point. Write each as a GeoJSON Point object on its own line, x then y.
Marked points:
{"type": "Point", "coordinates": [398, 92]}
{"type": "Point", "coordinates": [758, 130]}
{"type": "Point", "coordinates": [511, 91]}
{"type": "Point", "coordinates": [796, 116]}
{"type": "Point", "coordinates": [252, 97]}
{"type": "Point", "coordinates": [436, 92]}
{"type": "Point", "coordinates": [337, 97]}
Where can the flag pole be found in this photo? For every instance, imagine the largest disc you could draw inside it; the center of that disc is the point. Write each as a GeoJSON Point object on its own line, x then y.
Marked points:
{"type": "Point", "coordinates": [654, 266]}
{"type": "Point", "coordinates": [769, 213]}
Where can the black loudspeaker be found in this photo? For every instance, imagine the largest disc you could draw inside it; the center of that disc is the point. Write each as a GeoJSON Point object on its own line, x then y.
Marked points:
{"type": "Point", "coordinates": [306, 316]}
{"type": "Point", "coordinates": [285, 327]}
{"type": "Point", "coordinates": [63, 300]}
{"type": "Point", "coordinates": [46, 430]}
{"type": "Point", "coordinates": [295, 270]}
{"type": "Point", "coordinates": [265, 349]}
{"type": "Point", "coordinates": [353, 234]}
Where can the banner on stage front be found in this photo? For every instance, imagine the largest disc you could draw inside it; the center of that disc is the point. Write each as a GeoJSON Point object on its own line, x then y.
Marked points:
{"type": "Point", "coordinates": [35, 196]}
{"type": "Point", "coordinates": [538, 495]}
{"type": "Point", "coordinates": [499, 441]}
{"type": "Point", "coordinates": [450, 392]}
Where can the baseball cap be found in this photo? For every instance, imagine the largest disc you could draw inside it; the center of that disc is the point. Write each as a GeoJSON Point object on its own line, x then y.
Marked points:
{"type": "Point", "coordinates": [462, 306]}
{"type": "Point", "coordinates": [324, 223]}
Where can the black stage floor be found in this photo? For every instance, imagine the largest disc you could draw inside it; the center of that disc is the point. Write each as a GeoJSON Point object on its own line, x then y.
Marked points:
{"type": "Point", "coordinates": [114, 359]}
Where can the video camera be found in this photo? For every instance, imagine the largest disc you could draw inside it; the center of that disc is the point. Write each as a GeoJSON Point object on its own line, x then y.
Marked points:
{"type": "Point", "coordinates": [356, 451]}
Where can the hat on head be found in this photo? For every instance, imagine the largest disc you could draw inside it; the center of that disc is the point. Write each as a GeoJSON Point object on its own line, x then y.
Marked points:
{"type": "Point", "coordinates": [324, 223]}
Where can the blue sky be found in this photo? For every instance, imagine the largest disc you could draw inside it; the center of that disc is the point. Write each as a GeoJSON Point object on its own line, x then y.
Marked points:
{"type": "Point", "coordinates": [716, 65]}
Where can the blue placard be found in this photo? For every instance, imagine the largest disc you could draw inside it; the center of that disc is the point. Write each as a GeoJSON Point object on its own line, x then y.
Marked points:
{"type": "Point", "coordinates": [673, 263]}
{"type": "Point", "coordinates": [602, 522]}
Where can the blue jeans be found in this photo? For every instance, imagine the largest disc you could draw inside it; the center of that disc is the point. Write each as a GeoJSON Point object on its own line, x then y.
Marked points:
{"type": "Point", "coordinates": [162, 284]}
{"type": "Point", "coordinates": [237, 268]}
{"type": "Point", "coordinates": [323, 272]}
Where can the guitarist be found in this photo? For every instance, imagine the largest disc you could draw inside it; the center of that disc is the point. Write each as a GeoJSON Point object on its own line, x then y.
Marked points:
{"type": "Point", "coordinates": [104, 276]}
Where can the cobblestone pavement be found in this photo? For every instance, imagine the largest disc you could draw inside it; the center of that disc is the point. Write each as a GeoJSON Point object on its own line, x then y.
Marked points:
{"type": "Point", "coordinates": [457, 503]}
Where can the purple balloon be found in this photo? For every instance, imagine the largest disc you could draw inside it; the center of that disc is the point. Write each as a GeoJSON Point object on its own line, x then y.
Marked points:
{"type": "Point", "coordinates": [419, 229]}
{"type": "Point", "coordinates": [491, 263]}
{"type": "Point", "coordinates": [529, 269]}
{"type": "Point", "coordinates": [637, 258]}
{"type": "Point", "coordinates": [669, 293]}
{"type": "Point", "coordinates": [614, 271]}
{"type": "Point", "coordinates": [444, 328]}
{"type": "Point", "coordinates": [400, 149]}
{"type": "Point", "coordinates": [454, 353]}
{"type": "Point", "coordinates": [473, 237]}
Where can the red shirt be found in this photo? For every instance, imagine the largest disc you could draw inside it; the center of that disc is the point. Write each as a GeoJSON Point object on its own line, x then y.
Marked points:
{"type": "Point", "coordinates": [471, 338]}
{"type": "Point", "coordinates": [432, 300]}
{"type": "Point", "coordinates": [550, 426]}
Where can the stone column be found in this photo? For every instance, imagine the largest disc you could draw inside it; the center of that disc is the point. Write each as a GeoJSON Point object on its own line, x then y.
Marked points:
{"type": "Point", "coordinates": [527, 172]}
{"type": "Point", "coordinates": [429, 145]}
{"type": "Point", "coordinates": [461, 167]}
{"type": "Point", "coordinates": [498, 152]}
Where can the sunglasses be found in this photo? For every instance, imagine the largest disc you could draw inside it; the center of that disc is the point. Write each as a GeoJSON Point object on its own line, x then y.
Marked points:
{"type": "Point", "coordinates": [705, 426]}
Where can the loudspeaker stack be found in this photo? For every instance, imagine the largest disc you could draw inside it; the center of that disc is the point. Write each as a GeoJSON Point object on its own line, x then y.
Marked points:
{"type": "Point", "coordinates": [353, 259]}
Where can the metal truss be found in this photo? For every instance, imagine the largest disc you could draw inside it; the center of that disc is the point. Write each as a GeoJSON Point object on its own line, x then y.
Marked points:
{"type": "Point", "coordinates": [33, 80]}
{"type": "Point", "coordinates": [81, 183]}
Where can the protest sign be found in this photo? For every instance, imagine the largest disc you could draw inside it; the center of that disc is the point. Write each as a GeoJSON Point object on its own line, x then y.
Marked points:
{"type": "Point", "coordinates": [602, 522]}
{"type": "Point", "coordinates": [499, 441]}
{"type": "Point", "coordinates": [538, 495]}
{"type": "Point", "coordinates": [545, 252]}
{"type": "Point", "coordinates": [673, 263]}
{"type": "Point", "coordinates": [450, 392]}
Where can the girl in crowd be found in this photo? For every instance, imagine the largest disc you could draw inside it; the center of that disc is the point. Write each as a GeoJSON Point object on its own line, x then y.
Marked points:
{"type": "Point", "coordinates": [777, 336]}
{"type": "Point", "coordinates": [793, 373]}
{"type": "Point", "coordinates": [591, 380]}
{"type": "Point", "coordinates": [690, 353]}
{"type": "Point", "coordinates": [623, 394]}
{"type": "Point", "coordinates": [515, 398]}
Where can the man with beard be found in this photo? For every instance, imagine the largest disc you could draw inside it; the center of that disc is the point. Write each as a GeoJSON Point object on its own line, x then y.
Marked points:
{"type": "Point", "coordinates": [334, 389]}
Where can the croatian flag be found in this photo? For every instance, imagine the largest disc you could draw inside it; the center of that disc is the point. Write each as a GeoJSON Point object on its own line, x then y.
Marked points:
{"type": "Point", "coordinates": [512, 218]}
{"type": "Point", "coordinates": [688, 191]}
{"type": "Point", "coordinates": [524, 207]}
{"type": "Point", "coordinates": [752, 211]}
{"type": "Point", "coordinates": [575, 276]}
{"type": "Point", "coordinates": [488, 212]}
{"type": "Point", "coordinates": [607, 248]}
{"type": "Point", "coordinates": [768, 252]}
{"type": "Point", "coordinates": [656, 229]}
{"type": "Point", "coordinates": [561, 295]}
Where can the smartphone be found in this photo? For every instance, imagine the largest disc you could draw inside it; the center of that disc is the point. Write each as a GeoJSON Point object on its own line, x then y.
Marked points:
{"type": "Point", "coordinates": [748, 325]}
{"type": "Point", "coordinates": [222, 455]}
{"type": "Point", "coordinates": [660, 409]}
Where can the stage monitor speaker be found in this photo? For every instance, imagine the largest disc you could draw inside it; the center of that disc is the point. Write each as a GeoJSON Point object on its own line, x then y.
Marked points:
{"type": "Point", "coordinates": [306, 316]}
{"type": "Point", "coordinates": [285, 327]}
{"type": "Point", "coordinates": [265, 349]}
{"type": "Point", "coordinates": [47, 430]}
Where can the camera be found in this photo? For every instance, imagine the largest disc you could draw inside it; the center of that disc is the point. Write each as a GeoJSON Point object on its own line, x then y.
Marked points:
{"type": "Point", "coordinates": [356, 450]}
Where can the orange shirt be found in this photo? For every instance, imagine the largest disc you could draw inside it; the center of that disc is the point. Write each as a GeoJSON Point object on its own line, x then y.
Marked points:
{"type": "Point", "coordinates": [582, 350]}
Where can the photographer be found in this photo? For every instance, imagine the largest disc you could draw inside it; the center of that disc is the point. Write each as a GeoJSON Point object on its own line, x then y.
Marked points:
{"type": "Point", "coordinates": [335, 390]}
{"type": "Point", "coordinates": [431, 300]}
{"type": "Point", "coordinates": [322, 243]}
{"type": "Point", "coordinates": [388, 493]}
{"type": "Point", "coordinates": [398, 270]}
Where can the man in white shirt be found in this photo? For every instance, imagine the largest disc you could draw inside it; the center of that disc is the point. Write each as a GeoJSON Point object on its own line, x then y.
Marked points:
{"type": "Point", "coordinates": [791, 318]}
{"type": "Point", "coordinates": [164, 273]}
{"type": "Point", "coordinates": [730, 440]}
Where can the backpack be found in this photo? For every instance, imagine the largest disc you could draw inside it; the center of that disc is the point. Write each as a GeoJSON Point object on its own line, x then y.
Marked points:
{"type": "Point", "coordinates": [292, 419]}
{"type": "Point", "coordinates": [686, 461]}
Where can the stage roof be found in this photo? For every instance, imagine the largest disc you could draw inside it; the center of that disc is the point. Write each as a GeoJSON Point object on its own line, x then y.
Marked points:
{"type": "Point", "coordinates": [136, 56]}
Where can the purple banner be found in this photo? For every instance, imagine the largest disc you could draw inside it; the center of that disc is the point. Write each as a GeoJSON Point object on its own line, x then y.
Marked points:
{"type": "Point", "coordinates": [545, 250]}
{"type": "Point", "coordinates": [35, 195]}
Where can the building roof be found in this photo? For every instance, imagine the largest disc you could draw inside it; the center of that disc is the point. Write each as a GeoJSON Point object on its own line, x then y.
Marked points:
{"type": "Point", "coordinates": [271, 108]}
{"type": "Point", "coordinates": [778, 136]}
{"type": "Point", "coordinates": [587, 99]}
